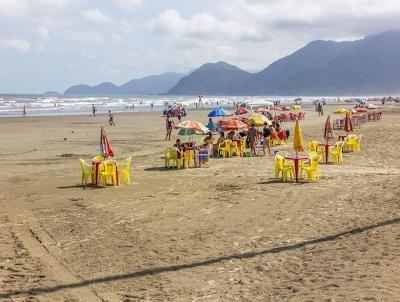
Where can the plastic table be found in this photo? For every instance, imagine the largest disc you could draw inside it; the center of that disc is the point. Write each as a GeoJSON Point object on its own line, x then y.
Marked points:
{"type": "Point", "coordinates": [296, 159]}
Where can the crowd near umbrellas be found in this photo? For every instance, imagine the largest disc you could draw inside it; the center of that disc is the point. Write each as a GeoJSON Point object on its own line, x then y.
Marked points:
{"type": "Point", "coordinates": [219, 112]}
{"type": "Point", "coordinates": [233, 124]}
{"type": "Point", "coordinates": [298, 144]}
{"type": "Point", "coordinates": [348, 124]}
{"type": "Point", "coordinates": [258, 120]}
{"type": "Point", "coordinates": [241, 111]}
{"type": "Point", "coordinates": [105, 146]}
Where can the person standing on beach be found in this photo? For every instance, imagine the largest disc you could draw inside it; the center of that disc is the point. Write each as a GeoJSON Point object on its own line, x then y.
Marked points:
{"type": "Point", "coordinates": [251, 136]}
{"type": "Point", "coordinates": [24, 111]}
{"type": "Point", "coordinates": [169, 123]}
{"type": "Point", "coordinates": [94, 109]}
{"type": "Point", "coordinates": [111, 118]}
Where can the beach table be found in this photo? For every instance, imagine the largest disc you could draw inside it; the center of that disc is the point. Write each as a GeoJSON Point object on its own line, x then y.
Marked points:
{"type": "Point", "coordinates": [326, 150]}
{"type": "Point", "coordinates": [342, 137]}
{"type": "Point", "coordinates": [95, 175]}
{"type": "Point", "coordinates": [296, 159]}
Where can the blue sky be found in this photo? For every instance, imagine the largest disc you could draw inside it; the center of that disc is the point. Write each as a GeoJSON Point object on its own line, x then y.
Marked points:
{"type": "Point", "coordinates": [53, 44]}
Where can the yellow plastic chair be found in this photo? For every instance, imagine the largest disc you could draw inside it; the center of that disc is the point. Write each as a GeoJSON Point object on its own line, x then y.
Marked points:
{"type": "Point", "coordinates": [350, 143]}
{"type": "Point", "coordinates": [337, 152]}
{"type": "Point", "coordinates": [243, 145]}
{"type": "Point", "coordinates": [98, 158]}
{"type": "Point", "coordinates": [235, 149]}
{"type": "Point", "coordinates": [108, 171]}
{"type": "Point", "coordinates": [224, 148]}
{"type": "Point", "coordinates": [281, 166]}
{"type": "Point", "coordinates": [313, 146]}
{"type": "Point", "coordinates": [311, 168]}
{"type": "Point", "coordinates": [124, 170]}
{"type": "Point", "coordinates": [171, 156]}
{"type": "Point", "coordinates": [188, 159]}
{"type": "Point", "coordinates": [358, 141]}
{"type": "Point", "coordinates": [87, 171]}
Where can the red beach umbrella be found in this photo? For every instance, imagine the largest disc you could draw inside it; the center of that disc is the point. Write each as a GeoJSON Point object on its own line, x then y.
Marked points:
{"type": "Point", "coordinates": [105, 146]}
{"type": "Point", "coordinates": [233, 124]}
{"type": "Point", "coordinates": [241, 111]}
{"type": "Point", "coordinates": [348, 124]}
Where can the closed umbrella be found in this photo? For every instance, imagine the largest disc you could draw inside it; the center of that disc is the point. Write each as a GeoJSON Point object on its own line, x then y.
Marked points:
{"type": "Point", "coordinates": [348, 124]}
{"type": "Point", "coordinates": [105, 146]}
{"type": "Point", "coordinates": [328, 132]}
{"type": "Point", "coordinates": [298, 144]}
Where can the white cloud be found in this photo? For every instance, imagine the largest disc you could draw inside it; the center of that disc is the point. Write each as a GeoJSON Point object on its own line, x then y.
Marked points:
{"type": "Point", "coordinates": [128, 4]}
{"type": "Point", "coordinates": [85, 36]}
{"type": "Point", "coordinates": [206, 25]}
{"type": "Point", "coordinates": [17, 8]}
{"type": "Point", "coordinates": [42, 32]}
{"type": "Point", "coordinates": [13, 44]}
{"type": "Point", "coordinates": [96, 15]}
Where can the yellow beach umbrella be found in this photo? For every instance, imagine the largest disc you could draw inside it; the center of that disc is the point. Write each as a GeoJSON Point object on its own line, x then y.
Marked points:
{"type": "Point", "coordinates": [258, 120]}
{"type": "Point", "coordinates": [298, 144]}
{"type": "Point", "coordinates": [343, 111]}
{"type": "Point", "coordinates": [296, 107]}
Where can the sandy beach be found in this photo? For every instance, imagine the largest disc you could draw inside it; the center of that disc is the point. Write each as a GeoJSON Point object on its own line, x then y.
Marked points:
{"type": "Point", "coordinates": [230, 232]}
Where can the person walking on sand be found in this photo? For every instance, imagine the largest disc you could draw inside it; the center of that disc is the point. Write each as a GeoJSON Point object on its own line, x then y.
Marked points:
{"type": "Point", "coordinates": [94, 109]}
{"type": "Point", "coordinates": [169, 123]}
{"type": "Point", "coordinates": [111, 118]}
{"type": "Point", "coordinates": [24, 111]}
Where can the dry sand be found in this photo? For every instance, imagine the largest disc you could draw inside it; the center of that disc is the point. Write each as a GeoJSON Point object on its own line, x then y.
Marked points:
{"type": "Point", "coordinates": [227, 233]}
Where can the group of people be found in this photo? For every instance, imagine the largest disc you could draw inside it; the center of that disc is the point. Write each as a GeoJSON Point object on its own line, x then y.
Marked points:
{"type": "Point", "coordinates": [178, 112]}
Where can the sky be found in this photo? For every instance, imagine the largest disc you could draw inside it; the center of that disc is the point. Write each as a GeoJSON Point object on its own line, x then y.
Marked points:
{"type": "Point", "coordinates": [53, 44]}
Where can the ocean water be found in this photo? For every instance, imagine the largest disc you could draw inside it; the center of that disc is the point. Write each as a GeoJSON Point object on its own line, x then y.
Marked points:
{"type": "Point", "coordinates": [39, 105]}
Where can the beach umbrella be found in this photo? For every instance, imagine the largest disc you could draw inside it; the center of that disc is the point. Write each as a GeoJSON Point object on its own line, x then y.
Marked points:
{"type": "Point", "coordinates": [192, 125]}
{"type": "Point", "coordinates": [105, 146]}
{"type": "Point", "coordinates": [328, 132]}
{"type": "Point", "coordinates": [296, 107]}
{"type": "Point", "coordinates": [348, 124]}
{"type": "Point", "coordinates": [298, 144]}
{"type": "Point", "coordinates": [233, 124]}
{"type": "Point", "coordinates": [360, 110]}
{"type": "Point", "coordinates": [341, 111]}
{"type": "Point", "coordinates": [258, 120]}
{"type": "Point", "coordinates": [241, 111]}
{"type": "Point", "coordinates": [185, 132]}
{"type": "Point", "coordinates": [278, 108]}
{"type": "Point", "coordinates": [219, 112]}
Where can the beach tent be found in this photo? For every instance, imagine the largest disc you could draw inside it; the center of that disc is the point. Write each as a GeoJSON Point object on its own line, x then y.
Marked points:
{"type": "Point", "coordinates": [233, 124]}
{"type": "Point", "coordinates": [219, 112]}
{"type": "Point", "coordinates": [105, 146]}
{"type": "Point", "coordinates": [298, 144]}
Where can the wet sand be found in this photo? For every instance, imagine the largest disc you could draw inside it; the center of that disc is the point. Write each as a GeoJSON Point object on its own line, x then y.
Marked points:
{"type": "Point", "coordinates": [230, 232]}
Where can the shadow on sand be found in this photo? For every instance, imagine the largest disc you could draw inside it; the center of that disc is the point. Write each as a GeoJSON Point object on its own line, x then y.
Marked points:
{"type": "Point", "coordinates": [178, 267]}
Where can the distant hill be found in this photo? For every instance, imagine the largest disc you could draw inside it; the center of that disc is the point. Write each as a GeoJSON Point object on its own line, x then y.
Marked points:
{"type": "Point", "coordinates": [211, 79]}
{"type": "Point", "coordinates": [155, 84]}
{"type": "Point", "coordinates": [369, 66]}
{"type": "Point", "coordinates": [52, 93]}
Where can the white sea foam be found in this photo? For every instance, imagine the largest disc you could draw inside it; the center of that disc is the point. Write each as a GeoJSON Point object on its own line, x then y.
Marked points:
{"type": "Point", "coordinates": [42, 106]}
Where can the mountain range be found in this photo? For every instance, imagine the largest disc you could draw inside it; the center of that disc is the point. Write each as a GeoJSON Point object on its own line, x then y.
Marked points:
{"type": "Point", "coordinates": [154, 84]}
{"type": "Point", "coordinates": [369, 66]}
